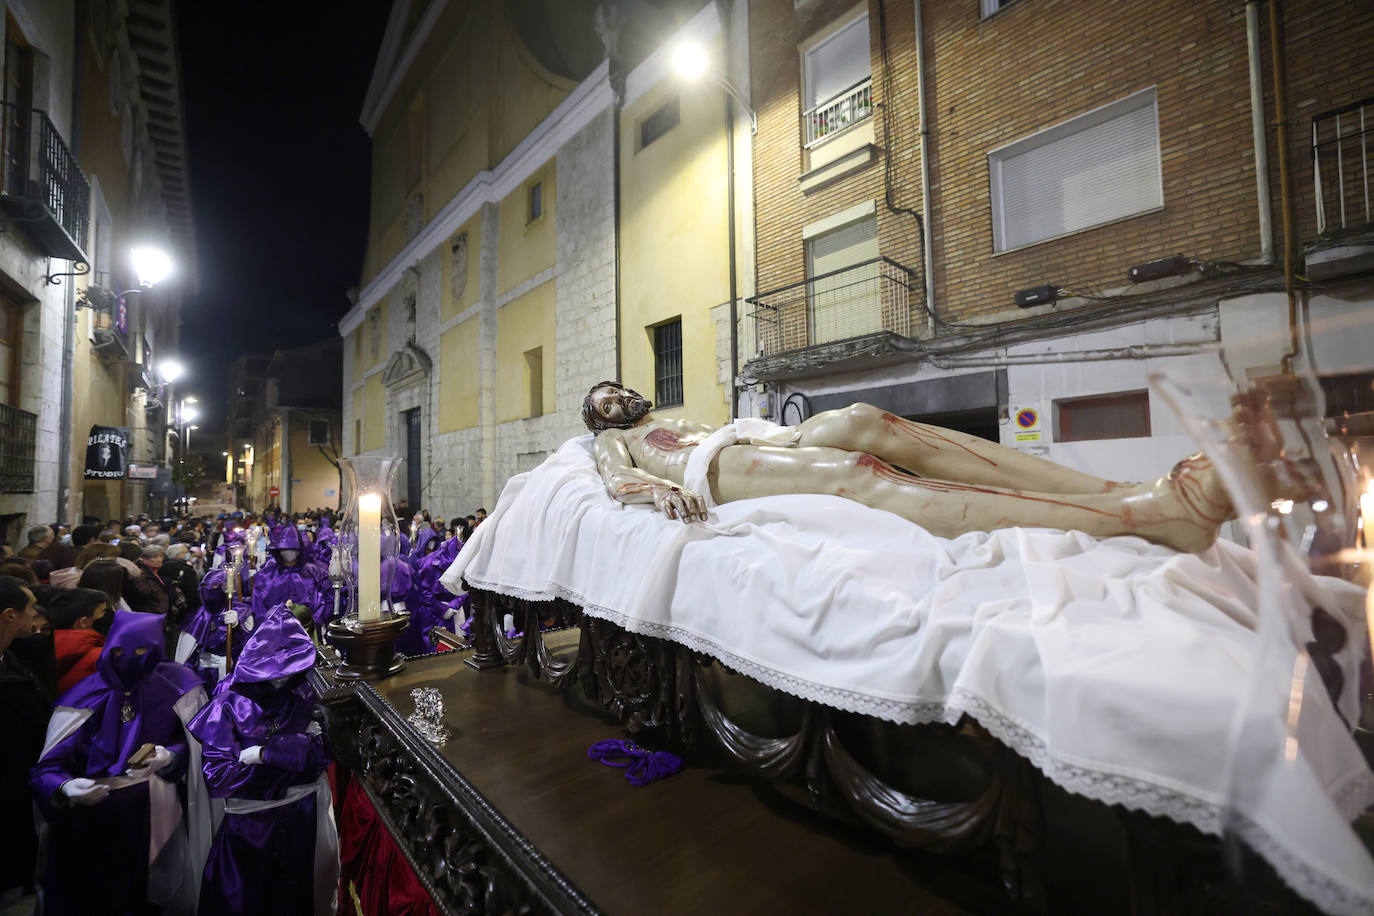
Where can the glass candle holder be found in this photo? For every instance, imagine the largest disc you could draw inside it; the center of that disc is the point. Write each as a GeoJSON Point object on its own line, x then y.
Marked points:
{"type": "Point", "coordinates": [368, 541]}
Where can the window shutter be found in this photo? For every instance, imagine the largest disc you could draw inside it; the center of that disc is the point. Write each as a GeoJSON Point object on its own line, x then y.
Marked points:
{"type": "Point", "coordinates": [1094, 169]}
{"type": "Point", "coordinates": [847, 304]}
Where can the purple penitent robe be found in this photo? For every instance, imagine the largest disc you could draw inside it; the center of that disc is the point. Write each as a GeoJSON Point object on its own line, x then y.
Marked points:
{"type": "Point", "coordinates": [276, 852]}
{"type": "Point", "coordinates": [143, 845]}
{"type": "Point", "coordinates": [300, 581]}
{"type": "Point", "coordinates": [204, 639]}
{"type": "Point", "coordinates": [429, 601]}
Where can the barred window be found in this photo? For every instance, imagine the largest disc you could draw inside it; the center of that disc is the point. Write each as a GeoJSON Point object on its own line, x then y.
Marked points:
{"type": "Point", "coordinates": [668, 363]}
{"type": "Point", "coordinates": [659, 123]}
{"type": "Point", "coordinates": [536, 202]}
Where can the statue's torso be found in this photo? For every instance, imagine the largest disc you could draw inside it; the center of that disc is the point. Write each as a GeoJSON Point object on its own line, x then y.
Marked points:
{"type": "Point", "coordinates": [661, 447]}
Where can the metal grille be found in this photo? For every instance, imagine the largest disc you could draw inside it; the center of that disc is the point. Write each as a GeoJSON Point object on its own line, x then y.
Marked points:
{"type": "Point", "coordinates": [1340, 165]}
{"type": "Point", "coordinates": [40, 167]}
{"type": "Point", "coordinates": [668, 363]}
{"type": "Point", "coordinates": [844, 110]}
{"type": "Point", "coordinates": [659, 123]}
{"type": "Point", "coordinates": [851, 302]}
{"type": "Point", "coordinates": [17, 434]}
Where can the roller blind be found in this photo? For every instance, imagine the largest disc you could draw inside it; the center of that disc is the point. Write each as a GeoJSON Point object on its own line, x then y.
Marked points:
{"type": "Point", "coordinates": [845, 305]}
{"type": "Point", "coordinates": [1091, 170]}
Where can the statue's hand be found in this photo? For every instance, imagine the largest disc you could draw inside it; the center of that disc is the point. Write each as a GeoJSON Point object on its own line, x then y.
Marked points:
{"type": "Point", "coordinates": [678, 503]}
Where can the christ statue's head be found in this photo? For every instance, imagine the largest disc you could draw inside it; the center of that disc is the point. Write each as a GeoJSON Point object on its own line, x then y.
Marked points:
{"type": "Point", "coordinates": [610, 405]}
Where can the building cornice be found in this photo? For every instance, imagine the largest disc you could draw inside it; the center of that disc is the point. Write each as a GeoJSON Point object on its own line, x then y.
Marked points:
{"type": "Point", "coordinates": [591, 96]}
{"type": "Point", "coordinates": [379, 91]}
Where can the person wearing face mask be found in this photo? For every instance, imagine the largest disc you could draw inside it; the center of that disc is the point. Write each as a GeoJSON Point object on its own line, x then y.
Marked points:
{"type": "Point", "coordinates": [74, 613]}
{"type": "Point", "coordinates": [276, 852]}
{"type": "Point", "coordinates": [290, 576]}
{"type": "Point", "coordinates": [24, 712]}
{"type": "Point", "coordinates": [127, 826]}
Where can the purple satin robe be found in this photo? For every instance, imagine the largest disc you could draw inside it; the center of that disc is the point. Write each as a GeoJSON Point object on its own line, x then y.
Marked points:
{"type": "Point", "coordinates": [428, 600]}
{"type": "Point", "coordinates": [263, 862]}
{"type": "Point", "coordinates": [97, 855]}
{"type": "Point", "coordinates": [304, 582]}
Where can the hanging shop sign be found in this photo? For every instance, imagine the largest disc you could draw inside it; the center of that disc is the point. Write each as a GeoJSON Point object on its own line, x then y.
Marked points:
{"type": "Point", "coordinates": [107, 450]}
{"type": "Point", "coordinates": [143, 471]}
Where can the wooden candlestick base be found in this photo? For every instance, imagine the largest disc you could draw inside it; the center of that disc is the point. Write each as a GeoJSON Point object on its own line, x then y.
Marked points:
{"type": "Point", "coordinates": [369, 649]}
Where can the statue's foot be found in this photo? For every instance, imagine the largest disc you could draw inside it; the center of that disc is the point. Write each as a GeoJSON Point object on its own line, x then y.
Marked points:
{"type": "Point", "coordinates": [1184, 509]}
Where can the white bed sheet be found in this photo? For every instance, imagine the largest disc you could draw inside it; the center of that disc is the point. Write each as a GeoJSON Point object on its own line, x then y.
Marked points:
{"type": "Point", "coordinates": [1112, 664]}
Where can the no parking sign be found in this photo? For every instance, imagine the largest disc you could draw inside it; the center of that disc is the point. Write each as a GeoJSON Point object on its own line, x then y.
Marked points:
{"type": "Point", "coordinates": [1027, 424]}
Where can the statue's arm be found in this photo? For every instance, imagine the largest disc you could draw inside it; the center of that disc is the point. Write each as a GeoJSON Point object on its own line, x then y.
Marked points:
{"type": "Point", "coordinates": [629, 484]}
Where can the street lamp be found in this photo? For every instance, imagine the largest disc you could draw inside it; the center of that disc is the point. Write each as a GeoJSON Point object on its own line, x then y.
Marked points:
{"type": "Point", "coordinates": [171, 370]}
{"type": "Point", "coordinates": [151, 265]}
{"type": "Point", "coordinates": [690, 61]}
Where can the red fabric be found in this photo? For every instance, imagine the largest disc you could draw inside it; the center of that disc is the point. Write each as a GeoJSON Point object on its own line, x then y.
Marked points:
{"type": "Point", "coordinates": [370, 858]}
{"type": "Point", "coordinates": [77, 651]}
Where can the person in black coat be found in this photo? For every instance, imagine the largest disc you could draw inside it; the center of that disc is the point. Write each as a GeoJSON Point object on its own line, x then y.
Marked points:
{"type": "Point", "coordinates": [24, 712]}
{"type": "Point", "coordinates": [182, 581]}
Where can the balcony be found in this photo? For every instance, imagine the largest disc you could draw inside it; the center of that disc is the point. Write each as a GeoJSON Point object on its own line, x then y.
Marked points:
{"type": "Point", "coordinates": [42, 186]}
{"type": "Point", "coordinates": [1341, 142]}
{"type": "Point", "coordinates": [18, 430]}
{"type": "Point", "coordinates": [852, 305]}
{"type": "Point", "coordinates": [845, 110]}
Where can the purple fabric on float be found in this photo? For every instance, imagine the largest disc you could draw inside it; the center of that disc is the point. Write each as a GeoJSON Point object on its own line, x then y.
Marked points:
{"type": "Point", "coordinates": [642, 766]}
{"type": "Point", "coordinates": [263, 861]}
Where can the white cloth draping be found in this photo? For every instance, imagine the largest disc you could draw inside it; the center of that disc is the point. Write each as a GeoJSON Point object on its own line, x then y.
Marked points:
{"type": "Point", "coordinates": [1114, 665]}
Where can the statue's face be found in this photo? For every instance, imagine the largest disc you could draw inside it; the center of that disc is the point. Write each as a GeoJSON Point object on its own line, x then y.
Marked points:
{"type": "Point", "coordinates": [618, 407]}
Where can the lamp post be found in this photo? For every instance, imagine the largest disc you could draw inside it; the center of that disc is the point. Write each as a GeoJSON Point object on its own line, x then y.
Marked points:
{"type": "Point", "coordinates": [691, 62]}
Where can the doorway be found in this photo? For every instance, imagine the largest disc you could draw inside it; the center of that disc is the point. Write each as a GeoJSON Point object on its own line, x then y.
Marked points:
{"type": "Point", "coordinates": [410, 421]}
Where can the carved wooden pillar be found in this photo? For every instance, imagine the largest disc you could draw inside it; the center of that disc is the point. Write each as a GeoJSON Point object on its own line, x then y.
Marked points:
{"type": "Point", "coordinates": [485, 654]}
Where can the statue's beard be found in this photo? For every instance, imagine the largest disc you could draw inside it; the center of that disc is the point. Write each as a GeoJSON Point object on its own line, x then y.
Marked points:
{"type": "Point", "coordinates": [636, 408]}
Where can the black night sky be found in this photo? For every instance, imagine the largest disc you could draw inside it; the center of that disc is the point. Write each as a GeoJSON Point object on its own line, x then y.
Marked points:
{"type": "Point", "coordinates": [279, 175]}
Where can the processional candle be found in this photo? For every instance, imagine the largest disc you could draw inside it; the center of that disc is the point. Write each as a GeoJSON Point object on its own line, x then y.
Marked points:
{"type": "Point", "coordinates": [369, 557]}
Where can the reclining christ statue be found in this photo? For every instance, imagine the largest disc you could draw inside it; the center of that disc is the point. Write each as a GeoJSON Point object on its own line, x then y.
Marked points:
{"type": "Point", "coordinates": [947, 482]}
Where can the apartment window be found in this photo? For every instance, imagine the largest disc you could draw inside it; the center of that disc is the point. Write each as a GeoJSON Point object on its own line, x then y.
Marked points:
{"type": "Point", "coordinates": [534, 381]}
{"type": "Point", "coordinates": [659, 123]}
{"type": "Point", "coordinates": [536, 202]}
{"type": "Point", "coordinates": [843, 300]}
{"type": "Point", "coordinates": [1093, 169]}
{"type": "Point", "coordinates": [319, 432]}
{"type": "Point", "coordinates": [1122, 415]}
{"type": "Point", "coordinates": [992, 6]}
{"type": "Point", "coordinates": [668, 363]}
{"type": "Point", "coordinates": [836, 76]}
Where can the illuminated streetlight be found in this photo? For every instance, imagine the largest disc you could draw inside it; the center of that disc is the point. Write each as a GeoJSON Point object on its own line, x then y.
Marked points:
{"type": "Point", "coordinates": [152, 265]}
{"type": "Point", "coordinates": [171, 370]}
{"type": "Point", "coordinates": [188, 413]}
{"type": "Point", "coordinates": [690, 60]}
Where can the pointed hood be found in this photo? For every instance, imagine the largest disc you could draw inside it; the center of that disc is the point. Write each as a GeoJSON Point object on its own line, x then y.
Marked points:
{"type": "Point", "coordinates": [133, 648]}
{"type": "Point", "coordinates": [278, 647]}
{"type": "Point", "coordinates": [287, 538]}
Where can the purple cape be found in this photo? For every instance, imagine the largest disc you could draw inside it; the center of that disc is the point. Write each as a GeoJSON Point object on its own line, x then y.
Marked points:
{"type": "Point", "coordinates": [428, 599]}
{"type": "Point", "coordinates": [305, 583]}
{"type": "Point", "coordinates": [264, 861]}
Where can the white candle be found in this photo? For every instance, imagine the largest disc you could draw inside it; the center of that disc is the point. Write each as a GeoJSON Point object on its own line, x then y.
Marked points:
{"type": "Point", "coordinates": [369, 557]}
{"type": "Point", "coordinates": [1367, 516]}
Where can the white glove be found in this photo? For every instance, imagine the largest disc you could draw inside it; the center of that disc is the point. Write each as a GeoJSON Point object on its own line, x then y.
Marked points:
{"type": "Point", "coordinates": [231, 618]}
{"type": "Point", "coordinates": [251, 755]}
{"type": "Point", "coordinates": [248, 623]}
{"type": "Point", "coordinates": [450, 613]}
{"type": "Point", "coordinates": [83, 791]}
{"type": "Point", "coordinates": [161, 757]}
{"type": "Point", "coordinates": [314, 729]}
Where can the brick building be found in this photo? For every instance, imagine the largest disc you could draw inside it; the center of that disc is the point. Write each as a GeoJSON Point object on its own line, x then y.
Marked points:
{"type": "Point", "coordinates": [1064, 143]}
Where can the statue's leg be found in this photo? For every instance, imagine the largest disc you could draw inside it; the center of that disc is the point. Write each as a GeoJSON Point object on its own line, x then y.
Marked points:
{"type": "Point", "coordinates": [932, 451]}
{"type": "Point", "coordinates": [1182, 510]}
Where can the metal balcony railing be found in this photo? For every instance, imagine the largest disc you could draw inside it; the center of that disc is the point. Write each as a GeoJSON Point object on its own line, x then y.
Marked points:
{"type": "Point", "coordinates": [42, 183]}
{"type": "Point", "coordinates": [844, 110]}
{"type": "Point", "coordinates": [851, 302]}
{"type": "Point", "coordinates": [1341, 144]}
{"type": "Point", "coordinates": [18, 431]}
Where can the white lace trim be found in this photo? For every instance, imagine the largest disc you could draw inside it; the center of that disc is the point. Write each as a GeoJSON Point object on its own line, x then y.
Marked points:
{"type": "Point", "coordinates": [1350, 798]}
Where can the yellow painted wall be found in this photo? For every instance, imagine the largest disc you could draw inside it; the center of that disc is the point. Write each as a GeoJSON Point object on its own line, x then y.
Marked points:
{"type": "Point", "coordinates": [454, 305]}
{"type": "Point", "coordinates": [675, 244]}
{"type": "Point", "coordinates": [374, 421]}
{"type": "Point", "coordinates": [470, 97]}
{"type": "Point", "coordinates": [458, 377]}
{"type": "Point", "coordinates": [353, 343]}
{"type": "Point", "coordinates": [359, 413]}
{"type": "Point", "coordinates": [522, 325]}
{"type": "Point", "coordinates": [526, 247]}
{"type": "Point", "coordinates": [311, 468]}
{"type": "Point", "coordinates": [374, 341]}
